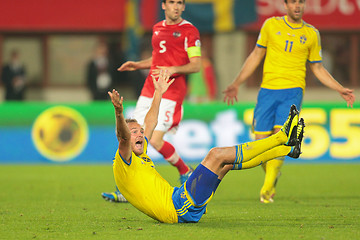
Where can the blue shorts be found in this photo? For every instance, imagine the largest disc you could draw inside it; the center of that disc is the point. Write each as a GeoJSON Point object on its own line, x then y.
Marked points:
{"type": "Point", "coordinates": [272, 108]}
{"type": "Point", "coordinates": [185, 209]}
{"type": "Point", "coordinates": [191, 198]}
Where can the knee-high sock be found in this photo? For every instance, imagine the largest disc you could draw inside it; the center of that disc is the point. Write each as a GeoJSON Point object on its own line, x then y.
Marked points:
{"type": "Point", "coordinates": [272, 170]}
{"type": "Point", "coordinates": [248, 151]}
{"type": "Point", "coordinates": [170, 155]}
{"type": "Point", "coordinates": [267, 157]}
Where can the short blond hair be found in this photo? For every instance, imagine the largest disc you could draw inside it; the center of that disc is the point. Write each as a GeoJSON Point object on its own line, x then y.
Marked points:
{"type": "Point", "coordinates": [131, 120]}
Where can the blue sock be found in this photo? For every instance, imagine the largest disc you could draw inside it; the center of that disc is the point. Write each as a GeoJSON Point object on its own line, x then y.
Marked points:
{"type": "Point", "coordinates": [201, 184]}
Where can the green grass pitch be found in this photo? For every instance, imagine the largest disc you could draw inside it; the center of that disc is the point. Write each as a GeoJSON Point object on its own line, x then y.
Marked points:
{"type": "Point", "coordinates": [314, 201]}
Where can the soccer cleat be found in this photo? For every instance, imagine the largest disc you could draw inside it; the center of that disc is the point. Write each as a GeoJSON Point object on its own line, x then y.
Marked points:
{"type": "Point", "coordinates": [272, 194]}
{"type": "Point", "coordinates": [300, 130]}
{"type": "Point", "coordinates": [114, 196]}
{"type": "Point", "coordinates": [265, 197]}
{"type": "Point", "coordinates": [184, 177]}
{"type": "Point", "coordinates": [296, 149]}
{"type": "Point", "coordinates": [290, 126]}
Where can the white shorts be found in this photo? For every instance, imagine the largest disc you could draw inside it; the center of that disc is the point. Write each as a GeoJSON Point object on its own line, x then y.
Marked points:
{"type": "Point", "coordinates": [170, 113]}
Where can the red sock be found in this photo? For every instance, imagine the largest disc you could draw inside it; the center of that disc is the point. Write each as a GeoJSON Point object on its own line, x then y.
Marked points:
{"type": "Point", "coordinates": [170, 155]}
{"type": "Point", "coordinates": [181, 166]}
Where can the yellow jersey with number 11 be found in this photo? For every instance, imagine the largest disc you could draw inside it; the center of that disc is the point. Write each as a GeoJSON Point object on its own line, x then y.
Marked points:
{"type": "Point", "coordinates": [288, 47]}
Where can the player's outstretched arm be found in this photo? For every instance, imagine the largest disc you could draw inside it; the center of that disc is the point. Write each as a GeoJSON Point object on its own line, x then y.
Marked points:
{"type": "Point", "coordinates": [192, 67]}
{"type": "Point", "coordinates": [122, 131]}
{"type": "Point", "coordinates": [251, 63]}
{"type": "Point", "coordinates": [327, 79]}
{"type": "Point", "coordinates": [132, 66]}
{"type": "Point", "coordinates": [161, 85]}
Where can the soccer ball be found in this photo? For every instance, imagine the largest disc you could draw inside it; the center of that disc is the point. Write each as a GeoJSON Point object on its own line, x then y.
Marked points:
{"type": "Point", "coordinates": [60, 133]}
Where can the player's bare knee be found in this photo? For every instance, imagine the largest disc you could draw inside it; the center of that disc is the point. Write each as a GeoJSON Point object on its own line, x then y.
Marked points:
{"type": "Point", "coordinates": [213, 160]}
{"type": "Point", "coordinates": [214, 153]}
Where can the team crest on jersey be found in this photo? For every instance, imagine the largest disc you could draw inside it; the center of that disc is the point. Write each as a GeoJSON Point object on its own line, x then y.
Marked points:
{"type": "Point", "coordinates": [303, 39]}
{"type": "Point", "coordinates": [177, 34]}
{"type": "Point", "coordinates": [182, 195]}
{"type": "Point", "coordinates": [198, 43]}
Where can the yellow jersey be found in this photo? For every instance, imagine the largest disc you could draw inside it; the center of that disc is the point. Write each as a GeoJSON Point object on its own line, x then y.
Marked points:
{"type": "Point", "coordinates": [144, 187]}
{"type": "Point", "coordinates": [288, 47]}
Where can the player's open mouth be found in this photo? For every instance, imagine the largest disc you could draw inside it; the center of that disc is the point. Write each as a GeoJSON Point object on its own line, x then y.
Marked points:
{"type": "Point", "coordinates": [139, 144]}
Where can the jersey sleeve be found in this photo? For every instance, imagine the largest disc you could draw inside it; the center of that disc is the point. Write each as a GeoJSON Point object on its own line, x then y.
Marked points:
{"type": "Point", "coordinates": [315, 49]}
{"type": "Point", "coordinates": [263, 36]}
{"type": "Point", "coordinates": [144, 156]}
{"type": "Point", "coordinates": [193, 43]}
{"type": "Point", "coordinates": [146, 144]}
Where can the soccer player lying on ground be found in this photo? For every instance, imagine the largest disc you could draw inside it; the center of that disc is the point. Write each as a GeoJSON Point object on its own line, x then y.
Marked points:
{"type": "Point", "coordinates": [145, 189]}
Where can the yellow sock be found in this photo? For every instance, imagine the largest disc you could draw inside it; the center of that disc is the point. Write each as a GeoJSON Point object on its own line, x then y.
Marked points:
{"type": "Point", "coordinates": [275, 152]}
{"type": "Point", "coordinates": [249, 150]}
{"type": "Point", "coordinates": [272, 170]}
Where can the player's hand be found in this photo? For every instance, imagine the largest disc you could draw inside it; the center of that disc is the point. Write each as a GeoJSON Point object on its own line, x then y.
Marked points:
{"type": "Point", "coordinates": [128, 66]}
{"type": "Point", "coordinates": [230, 94]}
{"type": "Point", "coordinates": [162, 83]}
{"type": "Point", "coordinates": [116, 100]}
{"type": "Point", "coordinates": [169, 70]}
{"type": "Point", "coordinates": [348, 95]}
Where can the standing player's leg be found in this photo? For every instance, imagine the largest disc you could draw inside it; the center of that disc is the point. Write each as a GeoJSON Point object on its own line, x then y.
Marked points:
{"type": "Point", "coordinates": [170, 115]}
{"type": "Point", "coordinates": [167, 150]}
{"type": "Point", "coordinates": [284, 99]}
{"type": "Point", "coordinates": [263, 123]}
{"type": "Point", "coordinates": [272, 173]}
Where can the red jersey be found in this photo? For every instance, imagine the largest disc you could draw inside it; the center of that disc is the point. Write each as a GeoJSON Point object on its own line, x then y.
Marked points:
{"type": "Point", "coordinates": [170, 48]}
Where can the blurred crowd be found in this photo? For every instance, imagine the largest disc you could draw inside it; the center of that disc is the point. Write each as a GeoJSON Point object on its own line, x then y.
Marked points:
{"type": "Point", "coordinates": [95, 72]}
